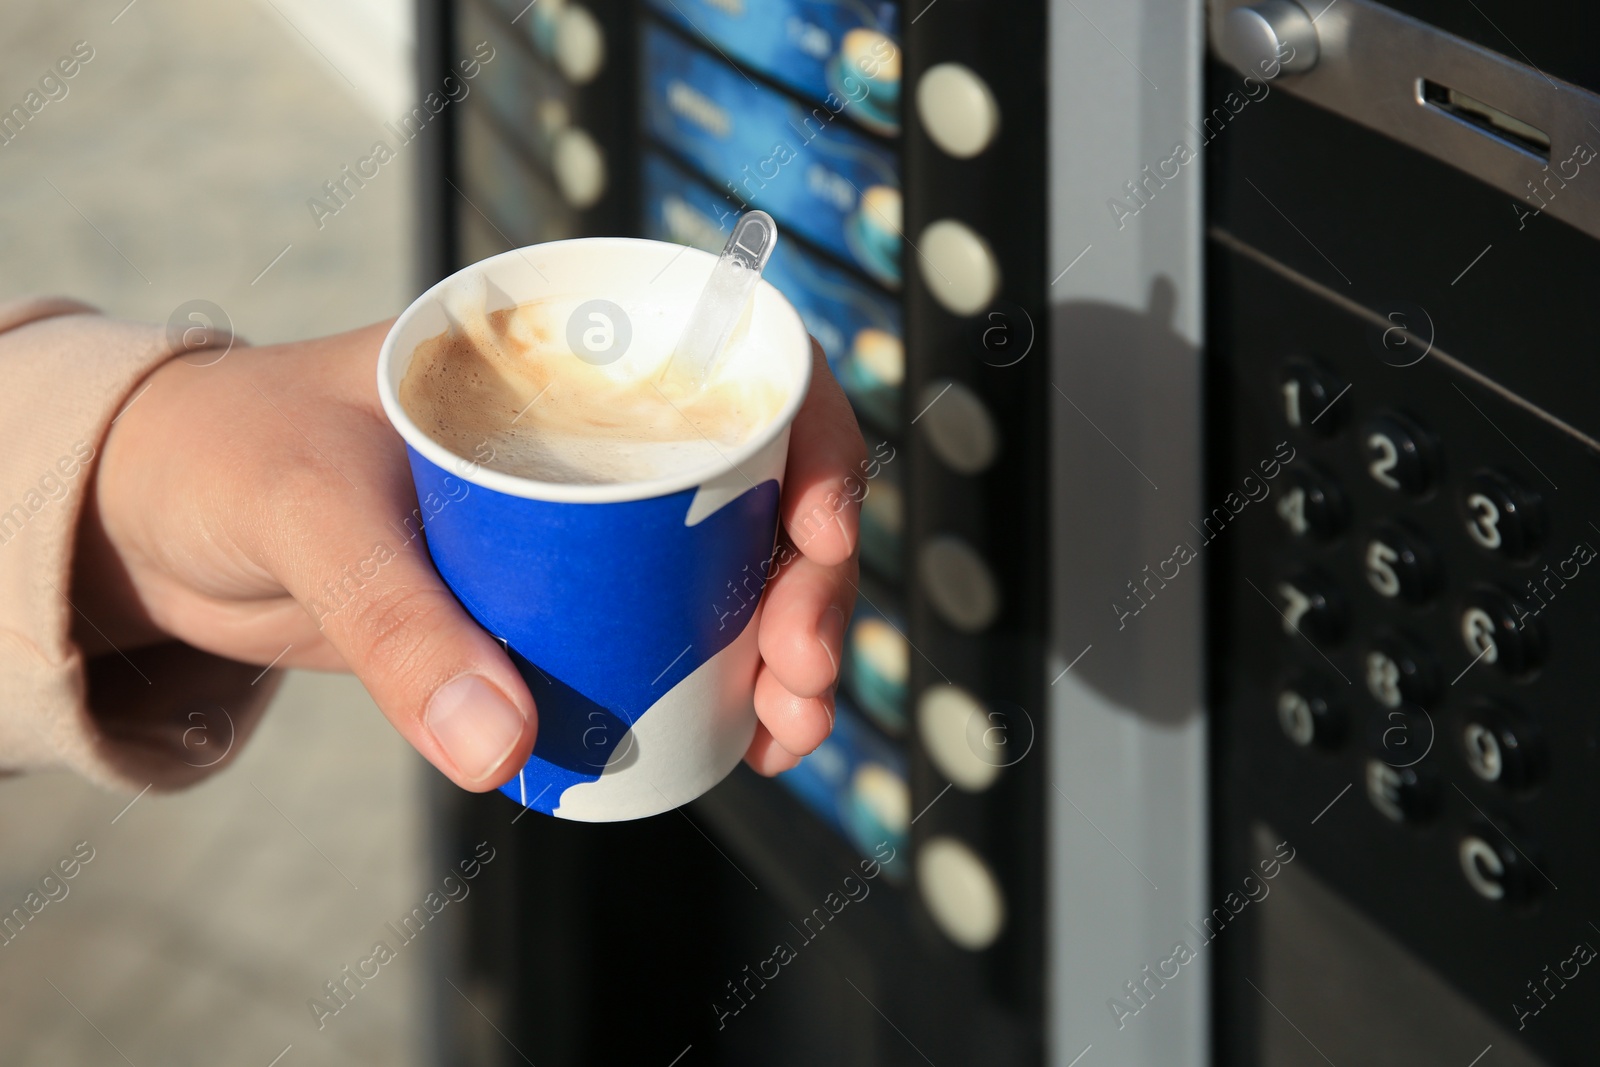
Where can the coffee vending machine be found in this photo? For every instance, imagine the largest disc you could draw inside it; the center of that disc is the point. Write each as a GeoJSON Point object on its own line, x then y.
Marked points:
{"type": "Point", "coordinates": [1218, 690]}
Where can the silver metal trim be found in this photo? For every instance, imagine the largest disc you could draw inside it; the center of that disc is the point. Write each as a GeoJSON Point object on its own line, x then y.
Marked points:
{"type": "Point", "coordinates": [1372, 64]}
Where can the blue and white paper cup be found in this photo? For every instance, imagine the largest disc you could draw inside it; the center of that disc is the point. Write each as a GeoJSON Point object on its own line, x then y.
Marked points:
{"type": "Point", "coordinates": [631, 609]}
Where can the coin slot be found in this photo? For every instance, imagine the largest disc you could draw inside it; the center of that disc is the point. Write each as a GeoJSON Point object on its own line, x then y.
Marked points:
{"type": "Point", "coordinates": [1485, 118]}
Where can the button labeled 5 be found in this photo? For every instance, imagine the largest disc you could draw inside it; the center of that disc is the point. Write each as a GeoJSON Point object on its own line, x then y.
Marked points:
{"type": "Point", "coordinates": [1399, 564]}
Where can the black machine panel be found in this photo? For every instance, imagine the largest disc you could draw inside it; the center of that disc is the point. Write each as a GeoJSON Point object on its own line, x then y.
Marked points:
{"type": "Point", "coordinates": [1402, 615]}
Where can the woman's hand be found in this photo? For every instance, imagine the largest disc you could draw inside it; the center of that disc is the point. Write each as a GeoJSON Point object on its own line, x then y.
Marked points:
{"type": "Point", "coordinates": [231, 499]}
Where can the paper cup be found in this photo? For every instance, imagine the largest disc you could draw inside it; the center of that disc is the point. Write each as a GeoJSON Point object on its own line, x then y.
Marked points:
{"type": "Point", "coordinates": [631, 610]}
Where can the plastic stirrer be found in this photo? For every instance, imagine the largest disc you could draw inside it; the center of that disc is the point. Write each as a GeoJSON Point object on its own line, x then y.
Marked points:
{"type": "Point", "coordinates": [722, 301]}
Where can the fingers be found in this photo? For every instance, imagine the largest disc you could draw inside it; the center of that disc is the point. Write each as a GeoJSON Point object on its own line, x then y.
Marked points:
{"type": "Point", "coordinates": [825, 480]}
{"type": "Point", "coordinates": [808, 602]}
{"type": "Point", "coordinates": [803, 624]}
{"type": "Point", "coordinates": [765, 756]}
{"type": "Point", "coordinates": [447, 686]}
{"type": "Point", "coordinates": [795, 724]}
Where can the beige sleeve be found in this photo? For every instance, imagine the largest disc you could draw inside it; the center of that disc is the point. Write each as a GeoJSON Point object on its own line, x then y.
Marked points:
{"type": "Point", "coordinates": [165, 716]}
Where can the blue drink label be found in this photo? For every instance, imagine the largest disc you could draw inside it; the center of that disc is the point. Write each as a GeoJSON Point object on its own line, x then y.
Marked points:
{"type": "Point", "coordinates": [858, 327]}
{"type": "Point", "coordinates": [815, 174]}
{"type": "Point", "coordinates": [811, 46]}
{"type": "Point", "coordinates": [855, 781]}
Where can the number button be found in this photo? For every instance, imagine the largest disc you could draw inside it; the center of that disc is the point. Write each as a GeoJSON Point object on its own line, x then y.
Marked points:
{"type": "Point", "coordinates": [1501, 516]}
{"type": "Point", "coordinates": [1399, 565]}
{"type": "Point", "coordinates": [1311, 607]}
{"type": "Point", "coordinates": [1399, 456]}
{"type": "Point", "coordinates": [1311, 506]}
{"type": "Point", "coordinates": [1501, 748]}
{"type": "Point", "coordinates": [1500, 631]}
{"type": "Point", "coordinates": [1400, 793]}
{"type": "Point", "coordinates": [1399, 672]}
{"type": "Point", "coordinates": [1307, 715]}
{"type": "Point", "coordinates": [1309, 398]}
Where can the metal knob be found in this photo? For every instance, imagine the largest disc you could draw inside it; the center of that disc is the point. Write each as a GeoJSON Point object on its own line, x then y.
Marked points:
{"type": "Point", "coordinates": [1268, 38]}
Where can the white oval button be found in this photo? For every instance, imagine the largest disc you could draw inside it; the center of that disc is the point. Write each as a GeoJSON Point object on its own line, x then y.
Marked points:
{"type": "Point", "coordinates": [958, 266]}
{"type": "Point", "coordinates": [958, 584]}
{"type": "Point", "coordinates": [580, 44]}
{"type": "Point", "coordinates": [948, 719]}
{"type": "Point", "coordinates": [958, 426]}
{"type": "Point", "coordinates": [579, 166]}
{"type": "Point", "coordinates": [957, 109]}
{"type": "Point", "coordinates": [961, 893]}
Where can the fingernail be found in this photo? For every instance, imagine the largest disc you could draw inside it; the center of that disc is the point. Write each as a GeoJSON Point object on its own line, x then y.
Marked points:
{"type": "Point", "coordinates": [474, 724]}
{"type": "Point", "coordinates": [830, 633]}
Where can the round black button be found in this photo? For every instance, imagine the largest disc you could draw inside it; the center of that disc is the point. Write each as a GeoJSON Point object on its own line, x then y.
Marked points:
{"type": "Point", "coordinates": [1494, 868]}
{"type": "Point", "coordinates": [1399, 564]}
{"type": "Point", "coordinates": [1308, 714]}
{"type": "Point", "coordinates": [1399, 671]}
{"type": "Point", "coordinates": [1502, 516]}
{"type": "Point", "coordinates": [1310, 394]}
{"type": "Point", "coordinates": [1311, 505]}
{"type": "Point", "coordinates": [1403, 794]}
{"type": "Point", "coordinates": [1312, 606]}
{"type": "Point", "coordinates": [1399, 455]}
{"type": "Point", "coordinates": [1401, 737]}
{"type": "Point", "coordinates": [1502, 748]}
{"type": "Point", "coordinates": [1501, 631]}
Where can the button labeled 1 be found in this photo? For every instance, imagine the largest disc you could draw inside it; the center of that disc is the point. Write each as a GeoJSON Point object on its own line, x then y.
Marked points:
{"type": "Point", "coordinates": [1309, 395]}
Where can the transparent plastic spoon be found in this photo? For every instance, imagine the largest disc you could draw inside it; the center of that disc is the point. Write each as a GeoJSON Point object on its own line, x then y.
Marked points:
{"type": "Point", "coordinates": [722, 301]}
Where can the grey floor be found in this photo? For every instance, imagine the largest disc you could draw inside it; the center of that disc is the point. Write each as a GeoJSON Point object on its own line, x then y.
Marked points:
{"type": "Point", "coordinates": [177, 168]}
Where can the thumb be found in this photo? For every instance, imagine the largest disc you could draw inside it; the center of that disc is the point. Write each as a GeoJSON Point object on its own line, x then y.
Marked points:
{"type": "Point", "coordinates": [445, 684]}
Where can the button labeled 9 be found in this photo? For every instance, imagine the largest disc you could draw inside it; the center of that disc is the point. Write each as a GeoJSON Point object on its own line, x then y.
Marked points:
{"type": "Point", "coordinates": [1502, 749]}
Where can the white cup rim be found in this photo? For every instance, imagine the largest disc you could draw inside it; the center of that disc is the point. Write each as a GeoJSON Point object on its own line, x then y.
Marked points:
{"type": "Point", "coordinates": [564, 492]}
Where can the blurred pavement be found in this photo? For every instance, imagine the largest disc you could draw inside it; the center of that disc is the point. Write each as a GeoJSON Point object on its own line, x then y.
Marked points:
{"type": "Point", "coordinates": [177, 167]}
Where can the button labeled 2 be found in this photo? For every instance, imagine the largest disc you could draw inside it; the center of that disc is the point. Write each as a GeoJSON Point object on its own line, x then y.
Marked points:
{"type": "Point", "coordinates": [1399, 455]}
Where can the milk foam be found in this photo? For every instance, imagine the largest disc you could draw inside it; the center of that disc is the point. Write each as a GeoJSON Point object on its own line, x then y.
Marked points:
{"type": "Point", "coordinates": [504, 389]}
